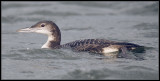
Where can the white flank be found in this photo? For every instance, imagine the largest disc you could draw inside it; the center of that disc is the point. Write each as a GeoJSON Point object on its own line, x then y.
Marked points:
{"type": "Point", "coordinates": [109, 50]}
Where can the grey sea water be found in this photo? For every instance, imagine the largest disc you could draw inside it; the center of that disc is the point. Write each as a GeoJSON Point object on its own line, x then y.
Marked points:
{"type": "Point", "coordinates": [132, 21]}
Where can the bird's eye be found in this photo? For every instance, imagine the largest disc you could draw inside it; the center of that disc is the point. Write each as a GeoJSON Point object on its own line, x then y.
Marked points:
{"type": "Point", "coordinates": [42, 25]}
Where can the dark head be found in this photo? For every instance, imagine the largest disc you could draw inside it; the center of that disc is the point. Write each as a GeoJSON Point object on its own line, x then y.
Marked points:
{"type": "Point", "coordinates": [46, 27]}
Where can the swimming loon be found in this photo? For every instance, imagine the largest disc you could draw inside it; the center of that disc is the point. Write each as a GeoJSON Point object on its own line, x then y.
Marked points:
{"type": "Point", "coordinates": [101, 46]}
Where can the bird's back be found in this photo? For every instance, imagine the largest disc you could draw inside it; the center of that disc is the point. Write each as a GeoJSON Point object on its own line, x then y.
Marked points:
{"type": "Point", "coordinates": [98, 45]}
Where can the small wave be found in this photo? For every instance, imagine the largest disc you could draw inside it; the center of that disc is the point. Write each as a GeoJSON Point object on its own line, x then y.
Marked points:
{"type": "Point", "coordinates": [137, 67]}
{"type": "Point", "coordinates": [146, 26]}
{"type": "Point", "coordinates": [92, 74]}
{"type": "Point", "coordinates": [144, 9]}
{"type": "Point", "coordinates": [79, 29]}
{"type": "Point", "coordinates": [50, 13]}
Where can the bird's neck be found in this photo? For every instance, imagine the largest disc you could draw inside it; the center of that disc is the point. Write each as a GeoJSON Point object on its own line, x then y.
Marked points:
{"type": "Point", "coordinates": [54, 40]}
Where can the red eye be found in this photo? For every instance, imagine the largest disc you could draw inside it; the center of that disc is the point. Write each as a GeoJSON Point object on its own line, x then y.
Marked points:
{"type": "Point", "coordinates": [42, 25]}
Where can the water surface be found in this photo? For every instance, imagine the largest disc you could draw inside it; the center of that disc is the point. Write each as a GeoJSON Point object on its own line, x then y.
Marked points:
{"type": "Point", "coordinates": [134, 22]}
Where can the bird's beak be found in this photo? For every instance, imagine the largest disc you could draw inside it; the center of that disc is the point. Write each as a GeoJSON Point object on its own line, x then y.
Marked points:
{"type": "Point", "coordinates": [33, 29]}
{"type": "Point", "coordinates": [28, 29]}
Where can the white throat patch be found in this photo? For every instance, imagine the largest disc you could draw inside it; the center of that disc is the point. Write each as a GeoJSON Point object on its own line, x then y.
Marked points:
{"type": "Point", "coordinates": [50, 38]}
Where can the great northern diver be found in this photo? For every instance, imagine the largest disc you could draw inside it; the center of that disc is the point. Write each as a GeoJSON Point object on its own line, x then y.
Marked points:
{"type": "Point", "coordinates": [100, 46]}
